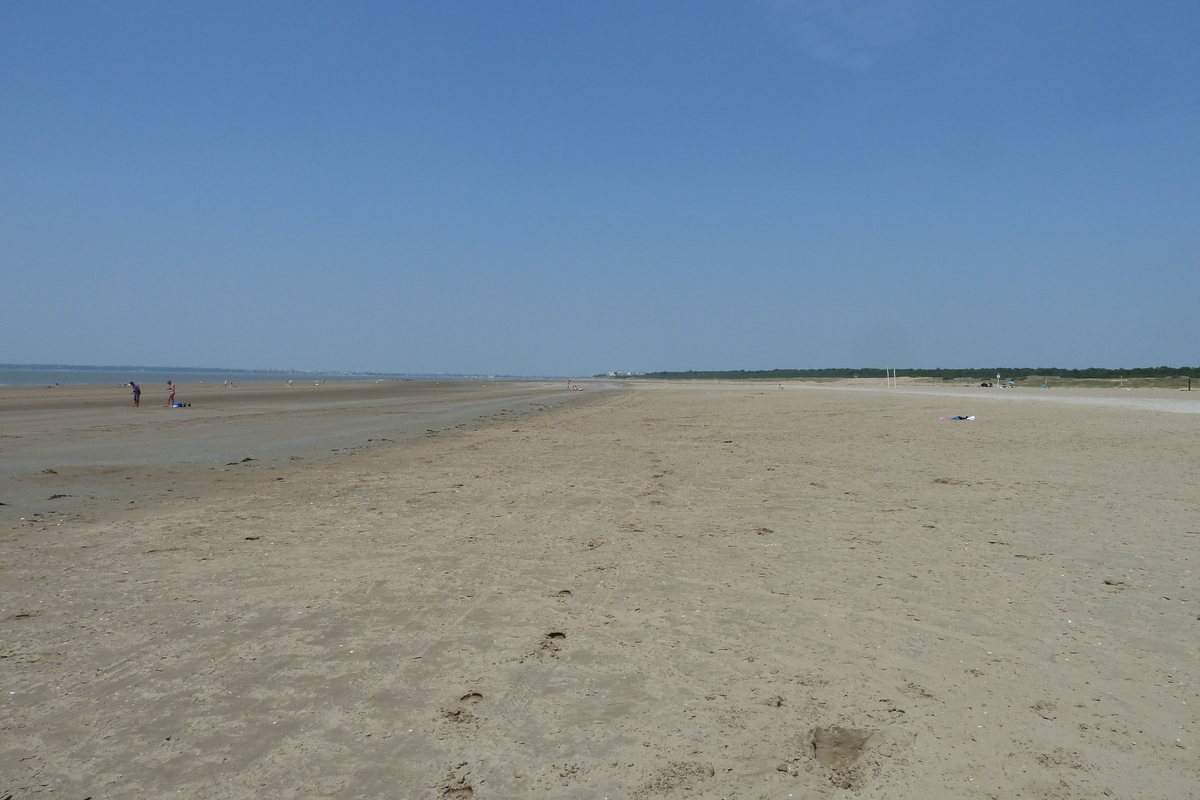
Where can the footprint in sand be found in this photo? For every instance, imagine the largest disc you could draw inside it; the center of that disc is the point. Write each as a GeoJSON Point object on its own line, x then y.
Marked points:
{"type": "Point", "coordinates": [840, 751]}
{"type": "Point", "coordinates": [839, 748]}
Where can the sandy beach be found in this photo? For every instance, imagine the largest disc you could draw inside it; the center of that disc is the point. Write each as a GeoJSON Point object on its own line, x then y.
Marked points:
{"type": "Point", "coordinates": [641, 591]}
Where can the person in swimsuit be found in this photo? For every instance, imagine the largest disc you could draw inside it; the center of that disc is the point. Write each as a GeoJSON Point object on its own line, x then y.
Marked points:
{"type": "Point", "coordinates": [170, 394]}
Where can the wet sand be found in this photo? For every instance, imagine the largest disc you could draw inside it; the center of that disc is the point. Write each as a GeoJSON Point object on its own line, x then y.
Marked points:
{"type": "Point", "coordinates": [88, 435]}
{"type": "Point", "coordinates": [683, 590]}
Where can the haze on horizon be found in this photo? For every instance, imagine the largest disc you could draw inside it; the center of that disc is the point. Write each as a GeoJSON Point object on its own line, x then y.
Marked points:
{"type": "Point", "coordinates": [536, 188]}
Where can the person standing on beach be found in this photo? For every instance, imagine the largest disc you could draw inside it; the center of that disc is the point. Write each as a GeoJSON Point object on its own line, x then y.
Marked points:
{"type": "Point", "coordinates": [170, 394]}
{"type": "Point", "coordinates": [137, 393]}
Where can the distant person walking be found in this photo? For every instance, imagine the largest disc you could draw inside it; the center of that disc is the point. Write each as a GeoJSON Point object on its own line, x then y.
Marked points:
{"type": "Point", "coordinates": [137, 393]}
{"type": "Point", "coordinates": [170, 394]}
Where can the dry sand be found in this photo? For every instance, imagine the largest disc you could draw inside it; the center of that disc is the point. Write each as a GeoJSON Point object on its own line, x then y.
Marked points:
{"type": "Point", "coordinates": [684, 590]}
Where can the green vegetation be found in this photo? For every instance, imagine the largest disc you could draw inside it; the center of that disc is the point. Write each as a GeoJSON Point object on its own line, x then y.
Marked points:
{"type": "Point", "coordinates": [1016, 374]}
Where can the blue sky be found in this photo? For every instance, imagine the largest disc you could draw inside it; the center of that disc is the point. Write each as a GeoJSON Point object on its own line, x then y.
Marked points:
{"type": "Point", "coordinates": [550, 188]}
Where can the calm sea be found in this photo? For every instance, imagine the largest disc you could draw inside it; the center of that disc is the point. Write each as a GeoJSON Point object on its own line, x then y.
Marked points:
{"type": "Point", "coordinates": [48, 377]}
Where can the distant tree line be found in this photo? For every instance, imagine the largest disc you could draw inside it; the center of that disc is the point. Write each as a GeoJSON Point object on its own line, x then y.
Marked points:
{"type": "Point", "coordinates": [1009, 373]}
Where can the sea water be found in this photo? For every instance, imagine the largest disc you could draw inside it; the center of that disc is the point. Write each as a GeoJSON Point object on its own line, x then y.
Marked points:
{"type": "Point", "coordinates": [106, 376]}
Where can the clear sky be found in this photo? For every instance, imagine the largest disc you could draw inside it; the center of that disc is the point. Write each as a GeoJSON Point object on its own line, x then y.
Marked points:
{"type": "Point", "coordinates": [566, 188]}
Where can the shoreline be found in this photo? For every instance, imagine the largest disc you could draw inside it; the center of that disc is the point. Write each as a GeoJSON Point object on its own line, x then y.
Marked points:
{"type": "Point", "coordinates": [80, 441]}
